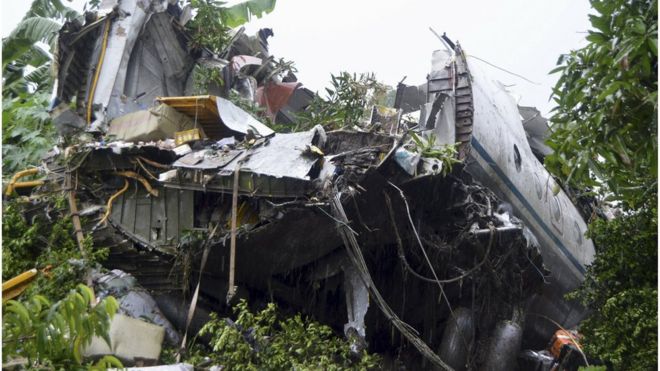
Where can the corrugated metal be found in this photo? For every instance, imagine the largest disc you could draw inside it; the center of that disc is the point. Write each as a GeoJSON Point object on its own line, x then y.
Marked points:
{"type": "Point", "coordinates": [155, 221]}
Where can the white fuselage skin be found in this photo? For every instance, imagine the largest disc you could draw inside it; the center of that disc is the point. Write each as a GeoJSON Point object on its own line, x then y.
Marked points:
{"type": "Point", "coordinates": [500, 158]}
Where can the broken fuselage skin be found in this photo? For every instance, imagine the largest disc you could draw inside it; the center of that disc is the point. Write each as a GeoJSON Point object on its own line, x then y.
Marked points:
{"type": "Point", "coordinates": [487, 124]}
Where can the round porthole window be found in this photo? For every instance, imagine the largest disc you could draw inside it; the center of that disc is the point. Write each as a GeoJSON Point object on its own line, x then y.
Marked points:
{"type": "Point", "coordinates": [516, 157]}
{"type": "Point", "coordinates": [538, 187]}
{"type": "Point", "coordinates": [578, 233]}
{"type": "Point", "coordinates": [555, 208]}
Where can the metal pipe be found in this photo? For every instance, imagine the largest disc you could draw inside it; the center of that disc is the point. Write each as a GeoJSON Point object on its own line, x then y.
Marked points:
{"type": "Point", "coordinates": [108, 207]}
{"type": "Point", "coordinates": [13, 183]}
{"type": "Point", "coordinates": [486, 231]}
{"type": "Point", "coordinates": [145, 183]}
{"type": "Point", "coordinates": [97, 73]}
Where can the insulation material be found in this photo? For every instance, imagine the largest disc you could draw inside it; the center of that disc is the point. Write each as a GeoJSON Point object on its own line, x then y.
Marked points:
{"type": "Point", "coordinates": [130, 338]}
{"type": "Point", "coordinates": [158, 123]}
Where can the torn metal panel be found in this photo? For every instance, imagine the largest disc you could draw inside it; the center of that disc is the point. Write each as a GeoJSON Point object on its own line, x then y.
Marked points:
{"type": "Point", "coordinates": [123, 34]}
{"type": "Point", "coordinates": [134, 301]}
{"type": "Point", "coordinates": [274, 96]}
{"type": "Point", "coordinates": [240, 61]}
{"type": "Point", "coordinates": [207, 159]}
{"type": "Point", "coordinates": [450, 76]}
{"type": "Point", "coordinates": [385, 119]}
{"type": "Point", "coordinates": [65, 120]}
{"type": "Point", "coordinates": [537, 130]}
{"type": "Point", "coordinates": [240, 121]}
{"type": "Point", "coordinates": [439, 119]}
{"type": "Point", "coordinates": [154, 221]}
{"type": "Point", "coordinates": [159, 65]}
{"type": "Point", "coordinates": [409, 98]}
{"type": "Point", "coordinates": [276, 167]}
{"type": "Point", "coordinates": [119, 63]}
{"type": "Point", "coordinates": [357, 304]}
{"type": "Point", "coordinates": [299, 100]}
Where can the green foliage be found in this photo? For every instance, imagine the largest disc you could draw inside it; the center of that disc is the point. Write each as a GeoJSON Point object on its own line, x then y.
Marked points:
{"type": "Point", "coordinates": [213, 21]}
{"type": "Point", "coordinates": [26, 131]}
{"type": "Point", "coordinates": [445, 153]}
{"type": "Point", "coordinates": [20, 49]}
{"type": "Point", "coordinates": [42, 243]}
{"type": "Point", "coordinates": [605, 125]}
{"type": "Point", "coordinates": [27, 33]}
{"type": "Point", "coordinates": [621, 287]}
{"type": "Point", "coordinates": [346, 103]}
{"type": "Point", "coordinates": [605, 138]}
{"type": "Point", "coordinates": [207, 28]}
{"type": "Point", "coordinates": [242, 12]}
{"type": "Point", "coordinates": [261, 340]}
{"type": "Point", "coordinates": [205, 77]}
{"type": "Point", "coordinates": [52, 336]}
{"type": "Point", "coordinates": [52, 9]}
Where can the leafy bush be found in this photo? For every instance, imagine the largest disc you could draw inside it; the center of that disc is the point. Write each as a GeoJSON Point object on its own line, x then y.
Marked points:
{"type": "Point", "coordinates": [621, 288]}
{"type": "Point", "coordinates": [605, 126]}
{"type": "Point", "coordinates": [45, 244]}
{"type": "Point", "coordinates": [346, 103]}
{"type": "Point", "coordinates": [604, 135]}
{"type": "Point", "coordinates": [211, 25]}
{"type": "Point", "coordinates": [26, 131]}
{"type": "Point", "coordinates": [52, 336]}
{"type": "Point", "coordinates": [261, 340]}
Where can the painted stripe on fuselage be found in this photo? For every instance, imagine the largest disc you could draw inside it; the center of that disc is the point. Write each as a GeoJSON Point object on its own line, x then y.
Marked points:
{"type": "Point", "coordinates": [489, 160]}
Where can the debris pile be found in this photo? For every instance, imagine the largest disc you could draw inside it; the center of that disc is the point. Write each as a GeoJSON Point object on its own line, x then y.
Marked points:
{"type": "Point", "coordinates": [196, 194]}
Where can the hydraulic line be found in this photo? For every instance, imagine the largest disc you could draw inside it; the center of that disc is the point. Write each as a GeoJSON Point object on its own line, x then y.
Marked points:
{"type": "Point", "coordinates": [108, 207]}
{"type": "Point", "coordinates": [145, 183]}
{"type": "Point", "coordinates": [97, 73]}
{"type": "Point", "coordinates": [13, 183]}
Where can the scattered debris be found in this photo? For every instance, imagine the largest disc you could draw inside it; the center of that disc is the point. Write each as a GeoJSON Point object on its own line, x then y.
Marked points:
{"type": "Point", "coordinates": [414, 217]}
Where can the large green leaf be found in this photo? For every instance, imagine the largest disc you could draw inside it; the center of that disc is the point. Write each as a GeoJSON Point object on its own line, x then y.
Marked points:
{"type": "Point", "coordinates": [29, 32]}
{"type": "Point", "coordinates": [241, 13]}
{"type": "Point", "coordinates": [51, 9]}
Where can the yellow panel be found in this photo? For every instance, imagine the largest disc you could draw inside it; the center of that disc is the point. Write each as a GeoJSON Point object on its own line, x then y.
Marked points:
{"type": "Point", "coordinates": [202, 108]}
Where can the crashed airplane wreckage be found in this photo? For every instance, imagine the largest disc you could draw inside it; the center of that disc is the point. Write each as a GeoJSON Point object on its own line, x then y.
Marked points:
{"type": "Point", "coordinates": [358, 229]}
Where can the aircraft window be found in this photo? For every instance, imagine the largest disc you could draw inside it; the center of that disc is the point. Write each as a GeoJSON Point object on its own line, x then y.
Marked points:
{"type": "Point", "coordinates": [516, 157]}
{"type": "Point", "coordinates": [538, 186]}
{"type": "Point", "coordinates": [578, 233]}
{"type": "Point", "coordinates": [555, 208]}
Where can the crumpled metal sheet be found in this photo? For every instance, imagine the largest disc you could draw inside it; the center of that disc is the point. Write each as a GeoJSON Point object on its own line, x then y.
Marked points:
{"type": "Point", "coordinates": [282, 155]}
{"type": "Point", "coordinates": [134, 301]}
{"type": "Point", "coordinates": [274, 96]}
{"type": "Point", "coordinates": [238, 120]}
{"type": "Point", "coordinates": [207, 159]}
{"type": "Point", "coordinates": [279, 156]}
{"type": "Point", "coordinates": [537, 130]}
{"type": "Point", "coordinates": [279, 166]}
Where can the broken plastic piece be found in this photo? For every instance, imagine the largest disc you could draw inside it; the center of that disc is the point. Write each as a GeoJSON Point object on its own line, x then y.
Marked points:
{"type": "Point", "coordinates": [407, 160]}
